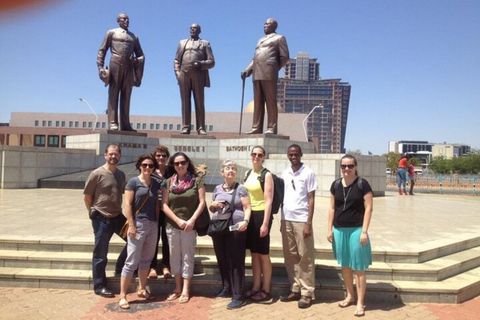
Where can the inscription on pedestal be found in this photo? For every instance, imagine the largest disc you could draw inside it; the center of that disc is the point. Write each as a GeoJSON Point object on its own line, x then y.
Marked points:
{"type": "Point", "coordinates": [132, 145]}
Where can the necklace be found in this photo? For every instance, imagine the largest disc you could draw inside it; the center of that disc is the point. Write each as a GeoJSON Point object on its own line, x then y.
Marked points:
{"type": "Point", "coordinates": [345, 196]}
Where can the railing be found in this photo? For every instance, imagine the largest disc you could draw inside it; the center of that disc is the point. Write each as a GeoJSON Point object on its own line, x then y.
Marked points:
{"type": "Point", "coordinates": [442, 183]}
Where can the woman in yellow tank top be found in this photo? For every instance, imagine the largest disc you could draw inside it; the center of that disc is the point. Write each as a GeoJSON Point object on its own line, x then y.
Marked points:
{"type": "Point", "coordinates": [258, 232]}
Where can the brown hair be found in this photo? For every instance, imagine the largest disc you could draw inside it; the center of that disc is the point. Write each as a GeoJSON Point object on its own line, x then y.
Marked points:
{"type": "Point", "coordinates": [349, 156]}
{"type": "Point", "coordinates": [161, 149]}
{"type": "Point", "coordinates": [143, 157]}
{"type": "Point", "coordinates": [171, 167]}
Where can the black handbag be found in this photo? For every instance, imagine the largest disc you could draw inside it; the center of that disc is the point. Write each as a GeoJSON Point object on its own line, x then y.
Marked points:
{"type": "Point", "coordinates": [203, 222]}
{"type": "Point", "coordinates": [221, 227]}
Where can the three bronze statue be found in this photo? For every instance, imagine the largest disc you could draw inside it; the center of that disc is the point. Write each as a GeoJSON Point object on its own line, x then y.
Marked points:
{"type": "Point", "coordinates": [193, 59]}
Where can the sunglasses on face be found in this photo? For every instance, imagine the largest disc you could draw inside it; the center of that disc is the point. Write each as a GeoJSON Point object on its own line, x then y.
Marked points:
{"type": "Point", "coordinates": [161, 156]}
{"type": "Point", "coordinates": [345, 166]}
{"type": "Point", "coordinates": [258, 155]}
{"type": "Point", "coordinates": [148, 165]}
{"type": "Point", "coordinates": [180, 163]}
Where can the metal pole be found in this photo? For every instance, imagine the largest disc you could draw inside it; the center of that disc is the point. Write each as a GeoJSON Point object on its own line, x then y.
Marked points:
{"type": "Point", "coordinates": [241, 106]}
{"type": "Point", "coordinates": [304, 120]}
{"type": "Point", "coordinates": [91, 109]}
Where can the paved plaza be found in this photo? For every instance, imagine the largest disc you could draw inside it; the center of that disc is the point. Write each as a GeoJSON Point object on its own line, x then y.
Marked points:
{"type": "Point", "coordinates": [406, 223]}
{"type": "Point", "coordinates": [40, 304]}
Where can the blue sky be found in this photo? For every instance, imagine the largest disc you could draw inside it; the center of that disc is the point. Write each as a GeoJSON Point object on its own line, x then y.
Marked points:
{"type": "Point", "coordinates": [414, 66]}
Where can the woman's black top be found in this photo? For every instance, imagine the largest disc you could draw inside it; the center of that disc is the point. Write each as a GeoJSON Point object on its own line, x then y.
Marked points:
{"type": "Point", "coordinates": [349, 203]}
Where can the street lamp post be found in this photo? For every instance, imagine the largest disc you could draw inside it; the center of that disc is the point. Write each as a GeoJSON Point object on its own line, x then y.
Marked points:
{"type": "Point", "coordinates": [91, 109]}
{"type": "Point", "coordinates": [305, 120]}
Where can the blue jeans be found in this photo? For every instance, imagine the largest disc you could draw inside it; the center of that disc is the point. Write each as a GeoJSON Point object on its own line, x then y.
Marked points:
{"type": "Point", "coordinates": [402, 177]}
{"type": "Point", "coordinates": [104, 228]}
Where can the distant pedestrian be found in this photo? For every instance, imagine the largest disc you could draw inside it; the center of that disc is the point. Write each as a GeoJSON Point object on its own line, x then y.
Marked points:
{"type": "Point", "coordinates": [411, 176]}
{"type": "Point", "coordinates": [351, 207]}
{"type": "Point", "coordinates": [402, 175]}
{"type": "Point", "coordinates": [296, 228]}
{"type": "Point", "coordinates": [103, 198]}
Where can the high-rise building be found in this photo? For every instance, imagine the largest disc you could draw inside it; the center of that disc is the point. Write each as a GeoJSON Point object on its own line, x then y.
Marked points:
{"type": "Point", "coordinates": [302, 68]}
{"type": "Point", "coordinates": [300, 93]}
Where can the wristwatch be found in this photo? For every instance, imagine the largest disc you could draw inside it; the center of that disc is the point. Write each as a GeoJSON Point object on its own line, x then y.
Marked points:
{"type": "Point", "coordinates": [246, 220]}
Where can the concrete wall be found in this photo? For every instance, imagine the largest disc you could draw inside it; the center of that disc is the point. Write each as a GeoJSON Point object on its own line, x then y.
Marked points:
{"type": "Point", "coordinates": [21, 167]}
{"type": "Point", "coordinates": [327, 169]}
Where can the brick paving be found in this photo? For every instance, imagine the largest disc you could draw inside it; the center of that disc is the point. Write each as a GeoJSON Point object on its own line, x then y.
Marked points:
{"type": "Point", "coordinates": [28, 303]}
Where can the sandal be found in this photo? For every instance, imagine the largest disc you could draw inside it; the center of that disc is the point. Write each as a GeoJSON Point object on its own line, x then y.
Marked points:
{"type": "Point", "coordinates": [123, 304]}
{"type": "Point", "coordinates": [359, 313]}
{"type": "Point", "coordinates": [145, 294]}
{"type": "Point", "coordinates": [261, 296]}
{"type": "Point", "coordinates": [183, 299]}
{"type": "Point", "coordinates": [250, 293]}
{"type": "Point", "coordinates": [166, 273]}
{"type": "Point", "coordinates": [153, 274]}
{"type": "Point", "coordinates": [345, 303]}
{"type": "Point", "coordinates": [173, 296]}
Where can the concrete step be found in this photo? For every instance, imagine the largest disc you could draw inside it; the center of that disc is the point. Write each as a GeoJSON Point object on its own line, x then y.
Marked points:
{"type": "Point", "coordinates": [455, 289]}
{"type": "Point", "coordinates": [205, 248]}
{"type": "Point", "coordinates": [433, 270]}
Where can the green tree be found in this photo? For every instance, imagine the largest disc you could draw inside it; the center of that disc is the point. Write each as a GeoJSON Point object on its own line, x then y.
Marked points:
{"type": "Point", "coordinates": [440, 164]}
{"type": "Point", "coordinates": [472, 162]}
{"type": "Point", "coordinates": [392, 160]}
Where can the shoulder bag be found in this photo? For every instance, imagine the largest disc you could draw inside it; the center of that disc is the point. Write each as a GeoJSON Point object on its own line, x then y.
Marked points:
{"type": "Point", "coordinates": [124, 232]}
{"type": "Point", "coordinates": [221, 227]}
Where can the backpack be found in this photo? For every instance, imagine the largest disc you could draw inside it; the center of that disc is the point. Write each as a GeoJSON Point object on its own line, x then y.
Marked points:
{"type": "Point", "coordinates": [360, 184]}
{"type": "Point", "coordinates": [278, 188]}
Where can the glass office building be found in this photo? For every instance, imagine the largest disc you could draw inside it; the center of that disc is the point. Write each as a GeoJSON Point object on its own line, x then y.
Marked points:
{"type": "Point", "coordinates": [301, 89]}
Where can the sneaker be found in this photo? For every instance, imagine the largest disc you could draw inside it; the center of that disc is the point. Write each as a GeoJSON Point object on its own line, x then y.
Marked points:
{"type": "Point", "coordinates": [235, 304]}
{"type": "Point", "coordinates": [225, 293]}
{"type": "Point", "coordinates": [292, 296]}
{"type": "Point", "coordinates": [305, 302]}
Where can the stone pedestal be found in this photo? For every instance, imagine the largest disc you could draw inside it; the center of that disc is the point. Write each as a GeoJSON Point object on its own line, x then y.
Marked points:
{"type": "Point", "coordinates": [20, 169]}
{"type": "Point", "coordinates": [237, 149]}
{"type": "Point", "coordinates": [133, 144]}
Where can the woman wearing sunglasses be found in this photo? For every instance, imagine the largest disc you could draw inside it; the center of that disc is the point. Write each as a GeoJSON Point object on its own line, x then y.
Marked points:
{"type": "Point", "coordinates": [258, 231]}
{"type": "Point", "coordinates": [351, 207]}
{"type": "Point", "coordinates": [183, 202]}
{"type": "Point", "coordinates": [141, 209]}
{"type": "Point", "coordinates": [161, 155]}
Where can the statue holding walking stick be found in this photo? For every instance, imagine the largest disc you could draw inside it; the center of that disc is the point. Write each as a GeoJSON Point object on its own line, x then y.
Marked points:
{"type": "Point", "coordinates": [271, 54]}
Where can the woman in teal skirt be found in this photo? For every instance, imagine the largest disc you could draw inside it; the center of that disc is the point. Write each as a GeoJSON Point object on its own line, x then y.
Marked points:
{"type": "Point", "coordinates": [351, 207]}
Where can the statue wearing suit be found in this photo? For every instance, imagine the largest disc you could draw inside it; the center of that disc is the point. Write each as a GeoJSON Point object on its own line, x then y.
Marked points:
{"type": "Point", "coordinates": [271, 54]}
{"type": "Point", "coordinates": [126, 71]}
{"type": "Point", "coordinates": [193, 59]}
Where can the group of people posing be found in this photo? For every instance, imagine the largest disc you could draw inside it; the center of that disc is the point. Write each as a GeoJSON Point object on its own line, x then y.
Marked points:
{"type": "Point", "coordinates": [166, 198]}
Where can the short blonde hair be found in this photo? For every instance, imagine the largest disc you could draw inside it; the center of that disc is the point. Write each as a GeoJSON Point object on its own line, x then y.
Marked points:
{"type": "Point", "coordinates": [228, 163]}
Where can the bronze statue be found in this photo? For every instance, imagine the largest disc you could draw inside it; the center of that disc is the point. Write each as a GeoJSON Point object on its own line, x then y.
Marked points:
{"type": "Point", "coordinates": [271, 54]}
{"type": "Point", "coordinates": [126, 70]}
{"type": "Point", "coordinates": [193, 59]}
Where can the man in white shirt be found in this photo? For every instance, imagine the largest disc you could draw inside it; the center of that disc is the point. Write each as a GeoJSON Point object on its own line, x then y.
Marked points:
{"type": "Point", "coordinates": [296, 228]}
